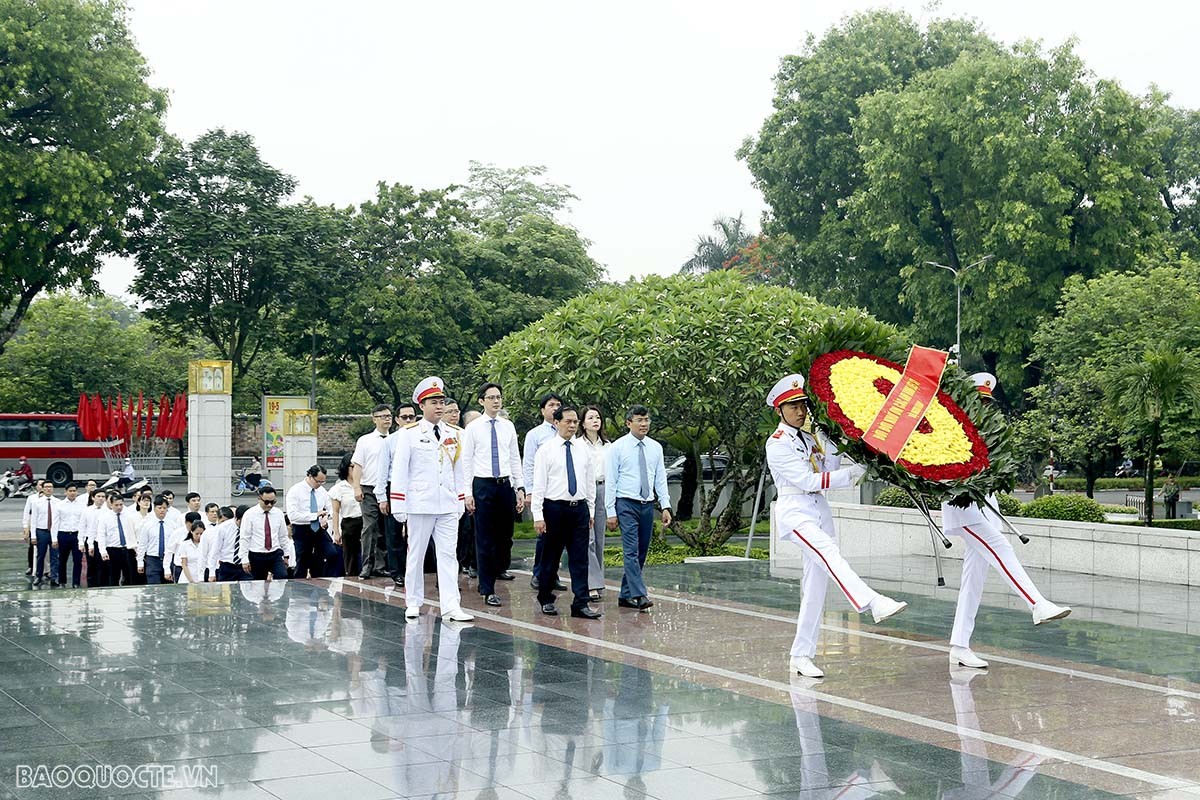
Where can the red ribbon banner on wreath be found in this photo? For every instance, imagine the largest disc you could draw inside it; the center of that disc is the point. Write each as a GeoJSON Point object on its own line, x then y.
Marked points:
{"type": "Point", "coordinates": [907, 403]}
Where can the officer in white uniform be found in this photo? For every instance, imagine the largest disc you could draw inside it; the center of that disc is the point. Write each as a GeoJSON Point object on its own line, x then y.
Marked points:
{"type": "Point", "coordinates": [427, 491]}
{"type": "Point", "coordinates": [980, 530]}
{"type": "Point", "coordinates": [803, 465]}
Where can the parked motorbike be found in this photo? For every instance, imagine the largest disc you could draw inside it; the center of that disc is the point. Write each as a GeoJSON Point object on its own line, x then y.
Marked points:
{"type": "Point", "coordinates": [126, 487]}
{"type": "Point", "coordinates": [14, 485]}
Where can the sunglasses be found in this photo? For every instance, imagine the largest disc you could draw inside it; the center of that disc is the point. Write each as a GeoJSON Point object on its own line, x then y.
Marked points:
{"type": "Point", "coordinates": [267, 502]}
{"type": "Point", "coordinates": [408, 416]}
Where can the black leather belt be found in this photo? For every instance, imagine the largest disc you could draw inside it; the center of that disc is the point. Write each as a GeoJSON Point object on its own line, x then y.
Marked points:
{"type": "Point", "coordinates": [502, 481]}
{"type": "Point", "coordinates": [569, 503]}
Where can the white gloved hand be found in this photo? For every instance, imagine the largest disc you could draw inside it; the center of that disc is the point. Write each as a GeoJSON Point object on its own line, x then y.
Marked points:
{"type": "Point", "coordinates": [856, 472]}
{"type": "Point", "coordinates": [401, 518]}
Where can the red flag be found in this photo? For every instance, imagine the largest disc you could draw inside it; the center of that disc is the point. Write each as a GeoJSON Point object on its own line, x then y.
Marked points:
{"type": "Point", "coordinates": [149, 418]}
{"type": "Point", "coordinates": [81, 415]}
{"type": "Point", "coordinates": [139, 422]}
{"type": "Point", "coordinates": [179, 418]}
{"type": "Point", "coordinates": [164, 413]}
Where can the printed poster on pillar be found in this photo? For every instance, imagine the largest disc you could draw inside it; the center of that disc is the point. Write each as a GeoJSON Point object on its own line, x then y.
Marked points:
{"type": "Point", "coordinates": [272, 426]}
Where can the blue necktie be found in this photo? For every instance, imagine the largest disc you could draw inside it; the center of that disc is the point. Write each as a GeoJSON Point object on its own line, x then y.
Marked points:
{"type": "Point", "coordinates": [495, 452]}
{"type": "Point", "coordinates": [121, 530]}
{"type": "Point", "coordinates": [312, 506]}
{"type": "Point", "coordinates": [642, 472]}
{"type": "Point", "coordinates": [162, 539]}
{"type": "Point", "coordinates": [572, 484]}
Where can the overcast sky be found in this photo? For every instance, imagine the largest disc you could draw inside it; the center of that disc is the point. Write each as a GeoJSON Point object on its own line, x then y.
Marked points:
{"type": "Point", "coordinates": [638, 106]}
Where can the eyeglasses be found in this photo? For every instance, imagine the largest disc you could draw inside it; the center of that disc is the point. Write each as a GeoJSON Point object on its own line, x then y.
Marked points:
{"type": "Point", "coordinates": [381, 416]}
{"type": "Point", "coordinates": [267, 502]}
{"type": "Point", "coordinates": [408, 416]}
{"type": "Point", "coordinates": [491, 397]}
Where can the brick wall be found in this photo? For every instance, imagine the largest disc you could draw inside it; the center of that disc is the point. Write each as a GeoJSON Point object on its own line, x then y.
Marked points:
{"type": "Point", "coordinates": [333, 434]}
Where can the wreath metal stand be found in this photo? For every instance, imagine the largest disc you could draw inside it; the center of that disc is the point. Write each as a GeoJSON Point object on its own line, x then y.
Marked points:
{"type": "Point", "coordinates": [935, 533]}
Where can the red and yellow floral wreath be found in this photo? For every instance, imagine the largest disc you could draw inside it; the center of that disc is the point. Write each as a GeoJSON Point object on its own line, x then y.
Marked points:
{"type": "Point", "coordinates": [853, 386]}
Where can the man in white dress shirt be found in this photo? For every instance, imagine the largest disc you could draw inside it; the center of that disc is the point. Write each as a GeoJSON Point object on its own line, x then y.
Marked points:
{"type": "Point", "coordinates": [364, 469]}
{"type": "Point", "coordinates": [65, 533]}
{"type": "Point", "coordinates": [89, 523]}
{"type": "Point", "coordinates": [224, 547]}
{"type": "Point", "coordinates": [41, 514]}
{"type": "Point", "coordinates": [493, 470]}
{"type": "Point", "coordinates": [155, 539]}
{"type": "Point", "coordinates": [564, 494]}
{"type": "Point", "coordinates": [265, 547]}
{"type": "Point", "coordinates": [427, 491]}
{"type": "Point", "coordinates": [309, 512]}
{"type": "Point", "coordinates": [534, 439]}
{"type": "Point", "coordinates": [116, 535]}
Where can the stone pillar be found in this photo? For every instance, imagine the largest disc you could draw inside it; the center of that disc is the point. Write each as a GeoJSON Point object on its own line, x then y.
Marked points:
{"type": "Point", "coordinates": [299, 446]}
{"type": "Point", "coordinates": [210, 433]}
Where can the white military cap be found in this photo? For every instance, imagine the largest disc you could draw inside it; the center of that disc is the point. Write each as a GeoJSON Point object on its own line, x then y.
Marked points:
{"type": "Point", "coordinates": [433, 386]}
{"type": "Point", "coordinates": [787, 389]}
{"type": "Point", "coordinates": [985, 382]}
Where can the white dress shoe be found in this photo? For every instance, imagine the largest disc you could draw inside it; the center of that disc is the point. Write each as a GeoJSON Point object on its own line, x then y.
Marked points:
{"type": "Point", "coordinates": [961, 676]}
{"type": "Point", "coordinates": [412, 612]}
{"type": "Point", "coordinates": [963, 657]}
{"type": "Point", "coordinates": [1046, 611]}
{"type": "Point", "coordinates": [457, 615]}
{"type": "Point", "coordinates": [803, 665]}
{"type": "Point", "coordinates": [880, 781]}
{"type": "Point", "coordinates": [884, 607]}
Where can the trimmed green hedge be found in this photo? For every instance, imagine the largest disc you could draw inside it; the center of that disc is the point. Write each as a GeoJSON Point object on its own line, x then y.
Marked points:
{"type": "Point", "coordinates": [675, 554]}
{"type": "Point", "coordinates": [894, 497]}
{"type": "Point", "coordinates": [1010, 506]}
{"type": "Point", "coordinates": [1180, 524]}
{"type": "Point", "coordinates": [1073, 507]}
{"type": "Point", "coordinates": [1107, 509]}
{"type": "Point", "coordinates": [1132, 484]}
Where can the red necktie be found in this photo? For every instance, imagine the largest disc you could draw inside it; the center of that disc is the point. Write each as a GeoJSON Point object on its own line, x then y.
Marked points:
{"type": "Point", "coordinates": [267, 530]}
{"type": "Point", "coordinates": [49, 513]}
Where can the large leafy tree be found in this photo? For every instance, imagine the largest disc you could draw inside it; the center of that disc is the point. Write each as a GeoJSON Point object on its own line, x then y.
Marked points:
{"type": "Point", "coordinates": [700, 351]}
{"type": "Point", "coordinates": [505, 195]}
{"type": "Point", "coordinates": [80, 129]}
{"type": "Point", "coordinates": [1147, 392]}
{"type": "Point", "coordinates": [1019, 154]}
{"type": "Point", "coordinates": [221, 253]}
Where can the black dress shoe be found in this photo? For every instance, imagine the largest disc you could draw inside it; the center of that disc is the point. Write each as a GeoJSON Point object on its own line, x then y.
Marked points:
{"type": "Point", "coordinates": [626, 602]}
{"type": "Point", "coordinates": [364, 576]}
{"type": "Point", "coordinates": [559, 586]}
{"type": "Point", "coordinates": [472, 572]}
{"type": "Point", "coordinates": [399, 582]}
{"type": "Point", "coordinates": [645, 602]}
{"type": "Point", "coordinates": [506, 576]}
{"type": "Point", "coordinates": [491, 600]}
{"type": "Point", "coordinates": [586, 613]}
{"type": "Point", "coordinates": [550, 610]}
{"type": "Point", "coordinates": [533, 583]}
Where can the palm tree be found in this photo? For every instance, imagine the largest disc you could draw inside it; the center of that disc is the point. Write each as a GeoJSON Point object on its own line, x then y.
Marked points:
{"type": "Point", "coordinates": [716, 252]}
{"type": "Point", "coordinates": [1166, 379]}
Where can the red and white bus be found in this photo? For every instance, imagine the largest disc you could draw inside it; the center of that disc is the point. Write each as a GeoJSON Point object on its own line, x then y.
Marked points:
{"type": "Point", "coordinates": [53, 444]}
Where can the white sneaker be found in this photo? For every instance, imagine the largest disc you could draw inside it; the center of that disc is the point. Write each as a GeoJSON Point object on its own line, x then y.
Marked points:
{"type": "Point", "coordinates": [883, 607]}
{"type": "Point", "coordinates": [412, 612]}
{"type": "Point", "coordinates": [457, 616]}
{"type": "Point", "coordinates": [1046, 611]}
{"type": "Point", "coordinates": [803, 665]}
{"type": "Point", "coordinates": [963, 657]}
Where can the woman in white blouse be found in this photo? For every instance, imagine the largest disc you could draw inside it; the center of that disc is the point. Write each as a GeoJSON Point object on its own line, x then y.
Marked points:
{"type": "Point", "coordinates": [187, 554]}
{"type": "Point", "coordinates": [591, 433]}
{"type": "Point", "coordinates": [347, 518]}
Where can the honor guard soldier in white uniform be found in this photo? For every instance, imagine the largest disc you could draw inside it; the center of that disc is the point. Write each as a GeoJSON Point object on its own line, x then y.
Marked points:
{"type": "Point", "coordinates": [803, 465]}
{"type": "Point", "coordinates": [427, 490]}
{"type": "Point", "coordinates": [980, 530]}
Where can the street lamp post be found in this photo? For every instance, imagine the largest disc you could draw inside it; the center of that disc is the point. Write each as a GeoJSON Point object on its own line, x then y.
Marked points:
{"type": "Point", "coordinates": [958, 300]}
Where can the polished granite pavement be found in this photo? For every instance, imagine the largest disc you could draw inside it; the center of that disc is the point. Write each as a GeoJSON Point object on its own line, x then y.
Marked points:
{"type": "Point", "coordinates": [298, 689]}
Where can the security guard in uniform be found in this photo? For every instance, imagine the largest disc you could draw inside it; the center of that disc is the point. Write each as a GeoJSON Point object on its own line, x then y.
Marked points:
{"type": "Point", "coordinates": [427, 491]}
{"type": "Point", "coordinates": [803, 466]}
{"type": "Point", "coordinates": [980, 530]}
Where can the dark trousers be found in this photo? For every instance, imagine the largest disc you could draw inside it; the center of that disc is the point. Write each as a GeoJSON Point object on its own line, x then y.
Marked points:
{"type": "Point", "coordinates": [43, 544]}
{"type": "Point", "coordinates": [352, 530]}
{"type": "Point", "coordinates": [97, 567]}
{"type": "Point", "coordinates": [68, 548]}
{"type": "Point", "coordinates": [1170, 507]}
{"type": "Point", "coordinates": [495, 513]}
{"type": "Point", "coordinates": [231, 572]}
{"type": "Point", "coordinates": [315, 552]}
{"type": "Point", "coordinates": [122, 566]}
{"type": "Point", "coordinates": [177, 570]}
{"type": "Point", "coordinates": [154, 569]}
{"type": "Point", "coordinates": [396, 538]}
{"type": "Point", "coordinates": [262, 564]}
{"type": "Point", "coordinates": [568, 527]}
{"type": "Point", "coordinates": [466, 541]}
{"type": "Point", "coordinates": [372, 520]}
{"type": "Point", "coordinates": [637, 525]}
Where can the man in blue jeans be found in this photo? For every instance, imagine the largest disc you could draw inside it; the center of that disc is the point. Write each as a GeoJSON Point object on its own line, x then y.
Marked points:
{"type": "Point", "coordinates": [635, 474]}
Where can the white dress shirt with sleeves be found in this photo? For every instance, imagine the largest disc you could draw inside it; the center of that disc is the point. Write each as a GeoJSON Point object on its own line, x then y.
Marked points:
{"type": "Point", "coordinates": [42, 512]}
{"type": "Point", "coordinates": [27, 513]}
{"type": "Point", "coordinates": [427, 471]}
{"type": "Point", "coordinates": [299, 503]}
{"type": "Point", "coordinates": [67, 515]}
{"type": "Point", "coordinates": [221, 544]}
{"type": "Point", "coordinates": [383, 467]}
{"type": "Point", "coordinates": [368, 452]}
{"type": "Point", "coordinates": [534, 439]}
{"type": "Point", "coordinates": [147, 539]}
{"type": "Point", "coordinates": [87, 526]}
{"type": "Point", "coordinates": [477, 451]}
{"type": "Point", "coordinates": [254, 534]}
{"type": "Point", "coordinates": [623, 472]}
{"type": "Point", "coordinates": [108, 533]}
{"type": "Point", "coordinates": [599, 454]}
{"type": "Point", "coordinates": [550, 475]}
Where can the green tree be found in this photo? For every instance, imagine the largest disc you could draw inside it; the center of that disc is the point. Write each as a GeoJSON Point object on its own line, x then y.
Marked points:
{"type": "Point", "coordinates": [701, 352]}
{"type": "Point", "coordinates": [496, 194]}
{"type": "Point", "coordinates": [221, 254]}
{"type": "Point", "coordinates": [80, 130]}
{"type": "Point", "coordinates": [807, 163]}
{"type": "Point", "coordinates": [1023, 155]}
{"type": "Point", "coordinates": [1145, 393]}
{"type": "Point", "coordinates": [1178, 130]}
{"type": "Point", "coordinates": [718, 252]}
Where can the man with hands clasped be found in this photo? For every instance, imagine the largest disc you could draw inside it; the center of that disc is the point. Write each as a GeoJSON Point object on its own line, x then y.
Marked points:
{"type": "Point", "coordinates": [803, 467]}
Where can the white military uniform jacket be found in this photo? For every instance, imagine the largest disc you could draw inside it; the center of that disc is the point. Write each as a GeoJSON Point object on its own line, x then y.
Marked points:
{"type": "Point", "coordinates": [955, 518]}
{"type": "Point", "coordinates": [803, 465]}
{"type": "Point", "coordinates": [428, 475]}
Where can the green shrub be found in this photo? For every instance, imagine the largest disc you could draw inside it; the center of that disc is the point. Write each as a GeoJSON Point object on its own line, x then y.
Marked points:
{"type": "Point", "coordinates": [1073, 507]}
{"type": "Point", "coordinates": [1131, 484]}
{"type": "Point", "coordinates": [675, 554]}
{"type": "Point", "coordinates": [1009, 505]}
{"type": "Point", "coordinates": [894, 497]}
{"type": "Point", "coordinates": [1107, 509]}
{"type": "Point", "coordinates": [359, 427]}
{"type": "Point", "coordinates": [1180, 524]}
